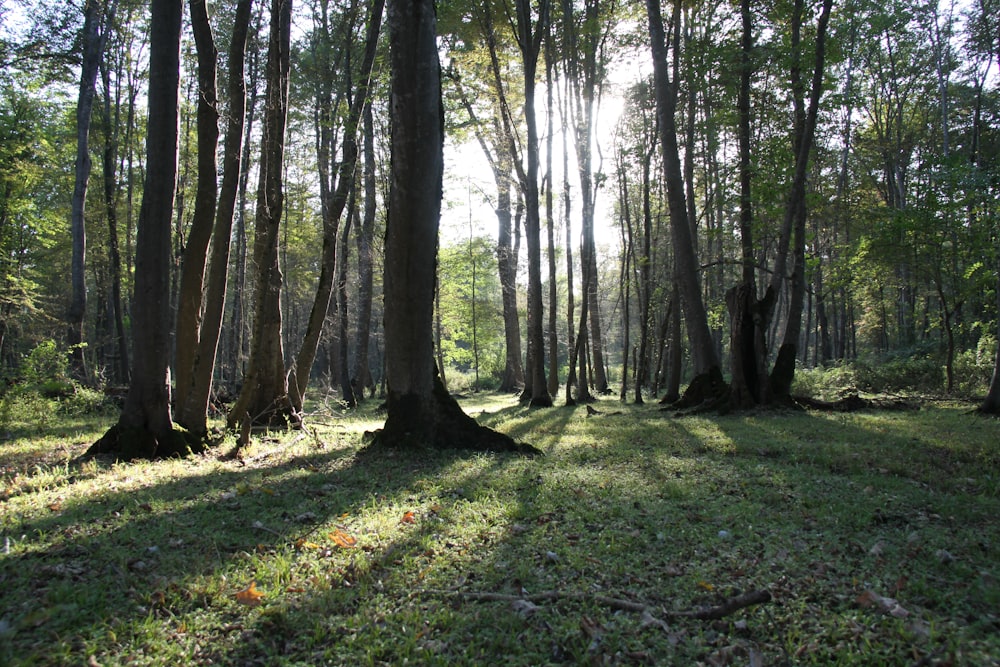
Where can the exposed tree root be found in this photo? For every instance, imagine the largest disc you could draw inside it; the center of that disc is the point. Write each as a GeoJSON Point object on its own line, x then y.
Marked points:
{"type": "Point", "coordinates": [440, 423]}
{"type": "Point", "coordinates": [130, 443]}
{"type": "Point", "coordinates": [853, 403]}
{"type": "Point", "coordinates": [716, 612]}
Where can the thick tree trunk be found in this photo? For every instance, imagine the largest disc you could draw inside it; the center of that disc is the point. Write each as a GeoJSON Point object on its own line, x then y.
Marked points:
{"type": "Point", "coordinates": [145, 429]}
{"type": "Point", "coordinates": [420, 412]}
{"type": "Point", "coordinates": [264, 397]}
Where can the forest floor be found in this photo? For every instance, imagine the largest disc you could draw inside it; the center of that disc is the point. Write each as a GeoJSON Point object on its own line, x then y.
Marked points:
{"type": "Point", "coordinates": [872, 538]}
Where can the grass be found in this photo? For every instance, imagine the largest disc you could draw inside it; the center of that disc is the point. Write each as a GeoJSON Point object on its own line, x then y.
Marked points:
{"type": "Point", "coordinates": [141, 563]}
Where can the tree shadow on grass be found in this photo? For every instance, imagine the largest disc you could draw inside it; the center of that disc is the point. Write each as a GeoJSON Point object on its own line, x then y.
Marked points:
{"type": "Point", "coordinates": [104, 564]}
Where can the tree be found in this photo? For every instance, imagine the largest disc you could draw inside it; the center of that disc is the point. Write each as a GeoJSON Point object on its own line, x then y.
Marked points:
{"type": "Point", "coordinates": [334, 201]}
{"type": "Point", "coordinates": [201, 303]}
{"type": "Point", "coordinates": [420, 412]}
{"type": "Point", "coordinates": [145, 428]}
{"type": "Point", "coordinates": [264, 397]}
{"type": "Point", "coordinates": [94, 37]}
{"type": "Point", "coordinates": [529, 40]}
{"type": "Point", "coordinates": [708, 383]}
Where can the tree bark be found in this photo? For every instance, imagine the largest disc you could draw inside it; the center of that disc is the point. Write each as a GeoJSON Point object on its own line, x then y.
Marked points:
{"type": "Point", "coordinates": [783, 371]}
{"type": "Point", "coordinates": [121, 368]}
{"type": "Point", "coordinates": [145, 429]}
{"type": "Point", "coordinates": [708, 383]}
{"type": "Point", "coordinates": [529, 39]}
{"type": "Point", "coordinates": [94, 39]}
{"type": "Point", "coordinates": [420, 412]}
{"type": "Point", "coordinates": [365, 238]}
{"type": "Point", "coordinates": [264, 396]}
{"type": "Point", "coordinates": [193, 402]}
{"type": "Point", "coordinates": [333, 209]}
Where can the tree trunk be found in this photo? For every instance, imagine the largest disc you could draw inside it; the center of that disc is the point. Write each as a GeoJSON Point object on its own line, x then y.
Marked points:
{"type": "Point", "coordinates": [708, 383]}
{"type": "Point", "coordinates": [94, 39]}
{"type": "Point", "coordinates": [420, 412]}
{"type": "Point", "coordinates": [194, 410]}
{"type": "Point", "coordinates": [190, 305]}
{"type": "Point", "coordinates": [145, 429]}
{"type": "Point", "coordinates": [346, 382]}
{"type": "Point", "coordinates": [121, 367]}
{"type": "Point", "coordinates": [332, 211]}
{"type": "Point", "coordinates": [264, 397]}
{"type": "Point", "coordinates": [991, 404]}
{"type": "Point", "coordinates": [365, 239]}
{"type": "Point", "coordinates": [784, 366]}
{"type": "Point", "coordinates": [529, 40]}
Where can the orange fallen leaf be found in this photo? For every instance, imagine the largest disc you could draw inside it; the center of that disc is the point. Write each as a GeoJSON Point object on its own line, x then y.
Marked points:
{"type": "Point", "coordinates": [250, 595]}
{"type": "Point", "coordinates": [408, 518]}
{"type": "Point", "coordinates": [342, 539]}
{"type": "Point", "coordinates": [54, 507]}
{"type": "Point", "coordinates": [305, 544]}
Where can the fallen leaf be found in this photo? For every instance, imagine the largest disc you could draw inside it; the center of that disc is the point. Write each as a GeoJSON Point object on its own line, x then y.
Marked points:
{"type": "Point", "coordinates": [54, 507]}
{"type": "Point", "coordinates": [704, 585]}
{"type": "Point", "coordinates": [408, 518]}
{"type": "Point", "coordinates": [305, 544]}
{"type": "Point", "coordinates": [250, 595]}
{"type": "Point", "coordinates": [342, 539]}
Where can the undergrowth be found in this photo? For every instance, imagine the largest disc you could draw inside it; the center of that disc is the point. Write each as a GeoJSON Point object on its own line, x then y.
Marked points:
{"type": "Point", "coordinates": [874, 533]}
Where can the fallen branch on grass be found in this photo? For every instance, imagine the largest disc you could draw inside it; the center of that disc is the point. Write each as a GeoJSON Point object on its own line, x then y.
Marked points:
{"type": "Point", "coordinates": [727, 607]}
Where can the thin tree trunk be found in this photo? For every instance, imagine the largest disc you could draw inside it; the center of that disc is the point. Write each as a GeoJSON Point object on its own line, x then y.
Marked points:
{"type": "Point", "coordinates": [365, 239]}
{"type": "Point", "coordinates": [529, 39]}
{"type": "Point", "coordinates": [299, 376]}
{"type": "Point", "coordinates": [93, 38]}
{"type": "Point", "coordinates": [193, 408]}
{"type": "Point", "coordinates": [708, 383]}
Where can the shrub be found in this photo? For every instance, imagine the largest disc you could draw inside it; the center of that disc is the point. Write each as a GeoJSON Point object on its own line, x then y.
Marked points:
{"type": "Point", "coordinates": [924, 374]}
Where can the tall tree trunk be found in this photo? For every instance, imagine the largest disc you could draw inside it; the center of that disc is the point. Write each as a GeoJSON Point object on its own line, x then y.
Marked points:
{"type": "Point", "coordinates": [264, 397]}
{"type": "Point", "coordinates": [529, 39]}
{"type": "Point", "coordinates": [784, 365]}
{"type": "Point", "coordinates": [193, 407]}
{"type": "Point", "coordinates": [708, 383]}
{"type": "Point", "coordinates": [749, 317]}
{"type": "Point", "coordinates": [93, 38]}
{"type": "Point", "coordinates": [550, 222]}
{"type": "Point", "coordinates": [365, 239]}
{"type": "Point", "coordinates": [145, 429]}
{"type": "Point", "coordinates": [332, 211]}
{"type": "Point", "coordinates": [420, 412]}
{"type": "Point", "coordinates": [121, 368]}
{"type": "Point", "coordinates": [195, 257]}
{"type": "Point", "coordinates": [346, 382]}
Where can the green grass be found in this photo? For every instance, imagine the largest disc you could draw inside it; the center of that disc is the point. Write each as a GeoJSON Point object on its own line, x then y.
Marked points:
{"type": "Point", "coordinates": [140, 563]}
